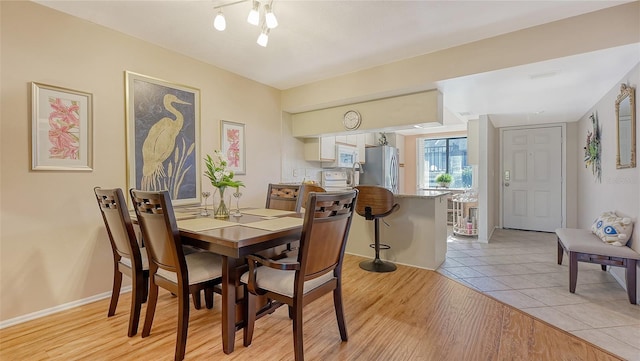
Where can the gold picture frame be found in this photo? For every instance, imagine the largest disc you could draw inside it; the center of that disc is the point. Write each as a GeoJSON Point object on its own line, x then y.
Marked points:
{"type": "Point", "coordinates": [163, 137]}
{"type": "Point", "coordinates": [232, 145]}
{"type": "Point", "coordinates": [61, 129]}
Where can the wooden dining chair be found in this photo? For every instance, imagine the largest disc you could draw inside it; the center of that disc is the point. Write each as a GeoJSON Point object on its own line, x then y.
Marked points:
{"type": "Point", "coordinates": [169, 267]}
{"type": "Point", "coordinates": [283, 197]}
{"type": "Point", "coordinates": [316, 271]}
{"type": "Point", "coordinates": [128, 257]}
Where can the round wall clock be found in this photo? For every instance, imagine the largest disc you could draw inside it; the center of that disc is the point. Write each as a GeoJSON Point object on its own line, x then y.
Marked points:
{"type": "Point", "coordinates": [351, 120]}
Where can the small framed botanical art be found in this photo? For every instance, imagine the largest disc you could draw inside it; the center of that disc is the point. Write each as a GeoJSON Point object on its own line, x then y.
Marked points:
{"type": "Point", "coordinates": [163, 134]}
{"type": "Point", "coordinates": [232, 146]}
{"type": "Point", "coordinates": [61, 129]}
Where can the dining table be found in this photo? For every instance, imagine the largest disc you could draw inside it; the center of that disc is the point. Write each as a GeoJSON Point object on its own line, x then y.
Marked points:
{"type": "Point", "coordinates": [233, 238]}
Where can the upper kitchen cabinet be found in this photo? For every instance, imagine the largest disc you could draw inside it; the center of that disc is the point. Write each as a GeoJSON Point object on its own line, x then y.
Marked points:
{"type": "Point", "coordinates": [320, 149]}
{"type": "Point", "coordinates": [351, 139]}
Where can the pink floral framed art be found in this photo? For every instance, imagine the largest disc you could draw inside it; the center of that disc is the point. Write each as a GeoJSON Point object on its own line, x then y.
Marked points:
{"type": "Point", "coordinates": [61, 129]}
{"type": "Point", "coordinates": [232, 146]}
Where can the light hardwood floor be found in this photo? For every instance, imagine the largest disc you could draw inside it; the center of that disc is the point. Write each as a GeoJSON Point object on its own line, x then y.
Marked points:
{"type": "Point", "coordinates": [410, 314]}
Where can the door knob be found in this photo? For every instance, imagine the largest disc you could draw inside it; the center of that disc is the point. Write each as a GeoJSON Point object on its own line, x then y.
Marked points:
{"type": "Point", "coordinates": [506, 184]}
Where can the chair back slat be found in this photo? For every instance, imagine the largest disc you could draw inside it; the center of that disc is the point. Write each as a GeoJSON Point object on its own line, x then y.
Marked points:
{"type": "Point", "coordinates": [116, 219]}
{"type": "Point", "coordinates": [325, 232]}
{"type": "Point", "coordinates": [159, 229]}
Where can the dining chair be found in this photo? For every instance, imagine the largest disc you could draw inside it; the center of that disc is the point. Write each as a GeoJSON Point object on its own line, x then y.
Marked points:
{"type": "Point", "coordinates": [169, 267]}
{"type": "Point", "coordinates": [128, 257]}
{"type": "Point", "coordinates": [374, 204]}
{"type": "Point", "coordinates": [284, 197]}
{"type": "Point", "coordinates": [317, 270]}
{"type": "Point", "coordinates": [292, 248]}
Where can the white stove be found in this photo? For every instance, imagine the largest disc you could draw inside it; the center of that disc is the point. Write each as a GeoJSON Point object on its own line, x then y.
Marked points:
{"type": "Point", "coordinates": [335, 180]}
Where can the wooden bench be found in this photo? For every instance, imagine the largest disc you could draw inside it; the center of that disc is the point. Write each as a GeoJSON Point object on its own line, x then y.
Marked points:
{"type": "Point", "coordinates": [584, 246]}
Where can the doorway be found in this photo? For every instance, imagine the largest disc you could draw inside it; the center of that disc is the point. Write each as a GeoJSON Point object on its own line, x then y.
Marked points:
{"type": "Point", "coordinates": [532, 178]}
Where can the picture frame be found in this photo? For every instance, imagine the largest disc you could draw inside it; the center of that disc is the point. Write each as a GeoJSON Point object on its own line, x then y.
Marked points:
{"type": "Point", "coordinates": [232, 145]}
{"type": "Point", "coordinates": [61, 129]}
{"type": "Point", "coordinates": [163, 137]}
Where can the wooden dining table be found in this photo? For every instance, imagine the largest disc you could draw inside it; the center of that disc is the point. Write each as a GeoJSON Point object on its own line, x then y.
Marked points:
{"type": "Point", "coordinates": [233, 243]}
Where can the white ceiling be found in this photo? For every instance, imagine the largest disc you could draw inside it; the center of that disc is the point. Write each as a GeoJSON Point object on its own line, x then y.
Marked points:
{"type": "Point", "coordinates": [321, 39]}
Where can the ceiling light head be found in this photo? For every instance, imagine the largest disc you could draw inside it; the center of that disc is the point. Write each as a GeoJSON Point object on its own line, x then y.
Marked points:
{"type": "Point", "coordinates": [270, 17]}
{"type": "Point", "coordinates": [219, 22]}
{"type": "Point", "coordinates": [254, 14]}
{"type": "Point", "coordinates": [263, 39]}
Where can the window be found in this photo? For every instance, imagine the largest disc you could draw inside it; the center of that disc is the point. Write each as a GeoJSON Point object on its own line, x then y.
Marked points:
{"type": "Point", "coordinates": [443, 155]}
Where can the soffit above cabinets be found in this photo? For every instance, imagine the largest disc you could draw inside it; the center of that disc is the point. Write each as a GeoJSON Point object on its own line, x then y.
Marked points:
{"type": "Point", "coordinates": [388, 114]}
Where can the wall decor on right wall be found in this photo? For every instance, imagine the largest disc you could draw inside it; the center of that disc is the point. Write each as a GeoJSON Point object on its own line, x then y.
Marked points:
{"type": "Point", "coordinates": [626, 127]}
{"type": "Point", "coordinates": [592, 149]}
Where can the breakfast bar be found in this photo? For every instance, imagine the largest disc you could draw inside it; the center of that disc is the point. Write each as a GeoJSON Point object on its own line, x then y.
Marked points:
{"type": "Point", "coordinates": [416, 232]}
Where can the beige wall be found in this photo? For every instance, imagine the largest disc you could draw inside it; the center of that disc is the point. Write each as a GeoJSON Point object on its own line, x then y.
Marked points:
{"type": "Point", "coordinates": [620, 188]}
{"type": "Point", "coordinates": [53, 244]}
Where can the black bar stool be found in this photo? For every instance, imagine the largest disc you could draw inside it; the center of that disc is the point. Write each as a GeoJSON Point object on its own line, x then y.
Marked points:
{"type": "Point", "coordinates": [376, 202]}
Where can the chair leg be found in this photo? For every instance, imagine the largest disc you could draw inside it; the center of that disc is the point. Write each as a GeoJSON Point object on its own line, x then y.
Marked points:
{"type": "Point", "coordinates": [298, 345]}
{"type": "Point", "coordinates": [208, 297]}
{"type": "Point", "coordinates": [195, 294]}
{"type": "Point", "coordinates": [145, 289]}
{"type": "Point", "coordinates": [115, 292]}
{"type": "Point", "coordinates": [151, 308]}
{"type": "Point", "coordinates": [183, 324]}
{"type": "Point", "coordinates": [337, 304]}
{"type": "Point", "coordinates": [137, 294]}
{"type": "Point", "coordinates": [249, 316]}
{"type": "Point", "coordinates": [573, 271]}
{"type": "Point", "coordinates": [603, 267]}
{"type": "Point", "coordinates": [631, 281]}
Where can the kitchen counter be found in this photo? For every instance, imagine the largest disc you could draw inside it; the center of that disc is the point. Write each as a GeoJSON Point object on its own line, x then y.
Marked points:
{"type": "Point", "coordinates": [423, 194]}
{"type": "Point", "coordinates": [416, 232]}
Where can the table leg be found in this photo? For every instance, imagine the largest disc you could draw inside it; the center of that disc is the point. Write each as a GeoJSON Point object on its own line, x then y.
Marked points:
{"type": "Point", "coordinates": [228, 305]}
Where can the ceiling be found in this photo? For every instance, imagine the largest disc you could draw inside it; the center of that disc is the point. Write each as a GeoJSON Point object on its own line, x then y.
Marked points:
{"type": "Point", "coordinates": [317, 40]}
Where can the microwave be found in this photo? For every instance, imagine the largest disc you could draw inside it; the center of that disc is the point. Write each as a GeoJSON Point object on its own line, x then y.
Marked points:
{"type": "Point", "coordinates": [346, 155]}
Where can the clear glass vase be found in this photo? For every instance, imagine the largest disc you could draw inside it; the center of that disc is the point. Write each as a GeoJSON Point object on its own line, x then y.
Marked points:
{"type": "Point", "coordinates": [221, 211]}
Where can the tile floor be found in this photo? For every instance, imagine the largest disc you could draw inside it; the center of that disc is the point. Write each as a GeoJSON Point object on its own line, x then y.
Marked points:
{"type": "Point", "coordinates": [520, 268]}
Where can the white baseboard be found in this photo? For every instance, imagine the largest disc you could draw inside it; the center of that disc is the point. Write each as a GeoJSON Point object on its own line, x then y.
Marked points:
{"type": "Point", "coordinates": [59, 308]}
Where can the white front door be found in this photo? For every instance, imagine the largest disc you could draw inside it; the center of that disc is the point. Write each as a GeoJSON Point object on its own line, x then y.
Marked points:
{"type": "Point", "coordinates": [532, 178]}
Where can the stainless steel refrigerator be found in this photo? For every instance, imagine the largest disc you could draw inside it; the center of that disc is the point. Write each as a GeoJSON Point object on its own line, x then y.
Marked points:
{"type": "Point", "coordinates": [381, 167]}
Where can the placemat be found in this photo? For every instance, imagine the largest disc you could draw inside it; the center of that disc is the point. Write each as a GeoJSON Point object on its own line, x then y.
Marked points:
{"type": "Point", "coordinates": [201, 224]}
{"type": "Point", "coordinates": [264, 212]}
{"type": "Point", "coordinates": [178, 215]}
{"type": "Point", "coordinates": [276, 224]}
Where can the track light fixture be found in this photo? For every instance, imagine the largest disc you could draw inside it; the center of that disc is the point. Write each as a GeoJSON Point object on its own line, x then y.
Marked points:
{"type": "Point", "coordinates": [254, 14]}
{"type": "Point", "coordinates": [270, 17]}
{"type": "Point", "coordinates": [261, 14]}
{"type": "Point", "coordinates": [219, 22]}
{"type": "Point", "coordinates": [263, 38]}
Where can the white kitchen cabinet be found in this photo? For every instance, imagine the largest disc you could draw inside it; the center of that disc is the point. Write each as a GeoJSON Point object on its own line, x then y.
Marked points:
{"type": "Point", "coordinates": [320, 149]}
{"type": "Point", "coordinates": [370, 139]}
{"type": "Point", "coordinates": [351, 139]}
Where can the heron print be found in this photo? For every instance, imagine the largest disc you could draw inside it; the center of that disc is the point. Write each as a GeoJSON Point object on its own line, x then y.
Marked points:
{"type": "Point", "coordinates": [165, 140]}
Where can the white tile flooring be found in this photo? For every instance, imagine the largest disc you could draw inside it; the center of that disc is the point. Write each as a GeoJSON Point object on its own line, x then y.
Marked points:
{"type": "Point", "coordinates": [520, 268]}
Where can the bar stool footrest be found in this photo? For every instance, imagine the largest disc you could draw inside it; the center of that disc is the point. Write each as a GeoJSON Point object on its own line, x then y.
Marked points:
{"type": "Point", "coordinates": [382, 246]}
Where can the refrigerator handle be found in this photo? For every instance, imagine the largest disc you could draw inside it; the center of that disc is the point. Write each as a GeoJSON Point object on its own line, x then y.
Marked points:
{"type": "Point", "coordinates": [394, 173]}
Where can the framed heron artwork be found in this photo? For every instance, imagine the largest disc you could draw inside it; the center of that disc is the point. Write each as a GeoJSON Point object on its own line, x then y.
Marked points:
{"type": "Point", "coordinates": [163, 128]}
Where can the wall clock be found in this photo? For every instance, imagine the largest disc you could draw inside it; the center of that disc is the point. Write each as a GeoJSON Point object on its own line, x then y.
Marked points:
{"type": "Point", "coordinates": [351, 120]}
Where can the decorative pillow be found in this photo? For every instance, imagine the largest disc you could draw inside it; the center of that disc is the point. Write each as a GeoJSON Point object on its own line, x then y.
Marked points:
{"type": "Point", "coordinates": [612, 229]}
